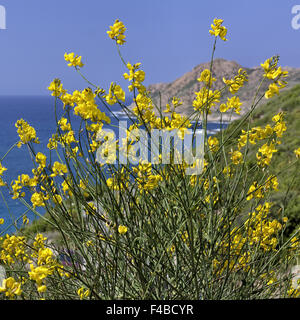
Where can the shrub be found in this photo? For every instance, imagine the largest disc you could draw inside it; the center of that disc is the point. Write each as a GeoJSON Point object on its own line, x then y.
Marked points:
{"type": "Point", "coordinates": [141, 230]}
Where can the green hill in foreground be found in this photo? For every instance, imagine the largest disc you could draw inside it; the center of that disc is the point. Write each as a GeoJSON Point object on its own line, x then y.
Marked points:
{"type": "Point", "coordinates": [288, 196]}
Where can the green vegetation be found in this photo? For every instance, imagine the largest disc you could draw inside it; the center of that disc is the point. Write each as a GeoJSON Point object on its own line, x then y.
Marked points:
{"type": "Point", "coordinates": [287, 199]}
{"type": "Point", "coordinates": [159, 230]}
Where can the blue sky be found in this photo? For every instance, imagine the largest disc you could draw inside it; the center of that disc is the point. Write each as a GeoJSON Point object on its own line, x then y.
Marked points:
{"type": "Point", "coordinates": [169, 37]}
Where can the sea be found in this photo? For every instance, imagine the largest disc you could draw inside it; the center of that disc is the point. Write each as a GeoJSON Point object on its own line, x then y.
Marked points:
{"type": "Point", "coordinates": [39, 112]}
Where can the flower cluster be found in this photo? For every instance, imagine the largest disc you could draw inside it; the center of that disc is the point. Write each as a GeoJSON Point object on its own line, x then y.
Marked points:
{"type": "Point", "coordinates": [232, 103]}
{"type": "Point", "coordinates": [218, 29]}
{"type": "Point", "coordinates": [276, 74]}
{"type": "Point", "coordinates": [145, 179]}
{"type": "Point", "coordinates": [135, 76]}
{"type": "Point", "coordinates": [115, 93]}
{"type": "Point", "coordinates": [25, 132]}
{"type": "Point", "coordinates": [11, 288]}
{"type": "Point", "coordinates": [2, 170]}
{"type": "Point", "coordinates": [117, 31]}
{"type": "Point", "coordinates": [259, 191]}
{"type": "Point", "coordinates": [237, 82]}
{"type": "Point", "coordinates": [74, 60]}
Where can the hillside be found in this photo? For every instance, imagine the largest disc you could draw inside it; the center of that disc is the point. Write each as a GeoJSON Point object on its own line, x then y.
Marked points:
{"type": "Point", "coordinates": [185, 86]}
{"type": "Point", "coordinates": [288, 196]}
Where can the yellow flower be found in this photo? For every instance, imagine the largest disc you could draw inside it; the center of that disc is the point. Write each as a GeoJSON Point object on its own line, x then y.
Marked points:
{"type": "Point", "coordinates": [257, 191]}
{"type": "Point", "coordinates": [89, 243]}
{"type": "Point", "coordinates": [115, 93]}
{"type": "Point", "coordinates": [297, 152]}
{"type": "Point", "coordinates": [213, 143]}
{"type": "Point", "coordinates": [64, 125]}
{"type": "Point", "coordinates": [237, 82]}
{"type": "Point", "coordinates": [218, 29]}
{"type": "Point", "coordinates": [271, 70]}
{"type": "Point", "coordinates": [2, 169]}
{"type": "Point", "coordinates": [227, 171]}
{"type": "Point", "coordinates": [236, 157]}
{"type": "Point", "coordinates": [206, 99]}
{"type": "Point", "coordinates": [144, 177]}
{"type": "Point", "coordinates": [39, 274]}
{"type": "Point", "coordinates": [206, 77]}
{"type": "Point", "coordinates": [58, 169]}
{"type": "Point", "coordinates": [122, 229]}
{"type": "Point", "coordinates": [266, 152]}
{"type": "Point", "coordinates": [279, 128]}
{"type": "Point", "coordinates": [26, 132]}
{"type": "Point", "coordinates": [68, 138]}
{"type": "Point", "coordinates": [82, 293]}
{"type": "Point", "coordinates": [56, 88]}
{"type": "Point", "coordinates": [40, 158]}
{"type": "Point", "coordinates": [67, 99]}
{"type": "Point", "coordinates": [42, 288]}
{"type": "Point", "coordinates": [66, 187]}
{"type": "Point", "coordinates": [52, 144]}
{"type": "Point", "coordinates": [57, 199]}
{"type": "Point", "coordinates": [1, 221]}
{"type": "Point", "coordinates": [276, 74]}
{"type": "Point", "coordinates": [117, 31]}
{"type": "Point", "coordinates": [25, 220]}
{"type": "Point", "coordinates": [37, 199]}
{"type": "Point", "coordinates": [278, 117]}
{"type": "Point", "coordinates": [232, 103]}
{"type": "Point", "coordinates": [74, 61]}
{"type": "Point", "coordinates": [11, 287]}
{"type": "Point", "coordinates": [87, 107]}
{"type": "Point", "coordinates": [135, 76]}
{"type": "Point", "coordinates": [13, 247]}
{"type": "Point", "coordinates": [273, 89]}
{"type": "Point", "coordinates": [39, 241]}
{"type": "Point", "coordinates": [285, 219]}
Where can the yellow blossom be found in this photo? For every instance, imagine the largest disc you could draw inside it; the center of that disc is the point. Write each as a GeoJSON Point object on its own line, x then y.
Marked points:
{"type": "Point", "coordinates": [206, 77]}
{"type": "Point", "coordinates": [74, 61]}
{"type": "Point", "coordinates": [64, 125]}
{"type": "Point", "coordinates": [218, 29]}
{"type": "Point", "coordinates": [40, 158]}
{"type": "Point", "coordinates": [82, 293]}
{"type": "Point", "coordinates": [26, 132]}
{"type": "Point", "coordinates": [122, 229]}
{"type": "Point", "coordinates": [236, 157]}
{"type": "Point", "coordinates": [232, 103]}
{"type": "Point", "coordinates": [57, 88]}
{"type": "Point", "coordinates": [11, 287]}
{"type": "Point", "coordinates": [115, 93]}
{"type": "Point", "coordinates": [213, 143]}
{"type": "Point", "coordinates": [58, 169]}
{"type": "Point", "coordinates": [117, 31]}
{"type": "Point", "coordinates": [37, 199]}
{"type": "Point", "coordinates": [237, 82]}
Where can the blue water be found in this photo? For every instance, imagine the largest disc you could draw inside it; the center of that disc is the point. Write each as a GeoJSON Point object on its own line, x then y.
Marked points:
{"type": "Point", "coordinates": [38, 112]}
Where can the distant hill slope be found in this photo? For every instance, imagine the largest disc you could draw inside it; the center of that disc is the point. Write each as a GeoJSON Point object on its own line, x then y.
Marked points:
{"type": "Point", "coordinates": [185, 86]}
{"type": "Point", "coordinates": [288, 196]}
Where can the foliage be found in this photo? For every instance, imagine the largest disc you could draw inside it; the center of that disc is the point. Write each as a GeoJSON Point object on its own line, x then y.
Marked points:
{"type": "Point", "coordinates": [144, 230]}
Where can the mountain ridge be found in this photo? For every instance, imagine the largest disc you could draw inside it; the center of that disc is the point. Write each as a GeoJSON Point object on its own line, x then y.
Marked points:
{"type": "Point", "coordinates": [185, 86]}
